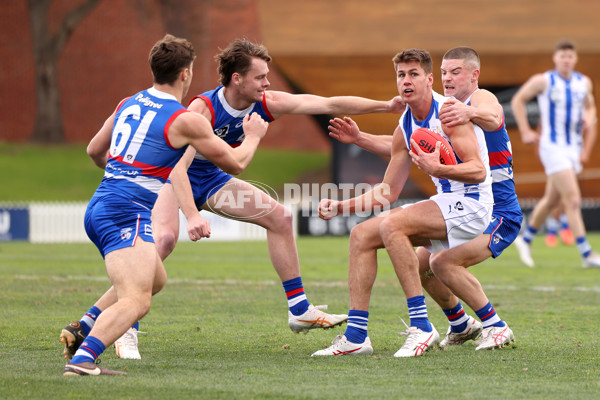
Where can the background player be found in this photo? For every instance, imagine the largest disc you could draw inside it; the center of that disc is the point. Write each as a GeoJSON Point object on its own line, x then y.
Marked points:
{"type": "Point", "coordinates": [568, 132]}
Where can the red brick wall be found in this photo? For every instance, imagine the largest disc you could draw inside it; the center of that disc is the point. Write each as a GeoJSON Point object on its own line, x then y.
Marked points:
{"type": "Point", "coordinates": [105, 60]}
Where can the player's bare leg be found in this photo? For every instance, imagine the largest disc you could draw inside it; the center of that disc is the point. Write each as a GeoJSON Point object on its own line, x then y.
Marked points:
{"type": "Point", "coordinates": [242, 201]}
{"type": "Point", "coordinates": [400, 232]}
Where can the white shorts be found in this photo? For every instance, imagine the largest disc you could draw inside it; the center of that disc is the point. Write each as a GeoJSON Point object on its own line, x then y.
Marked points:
{"type": "Point", "coordinates": [555, 158]}
{"type": "Point", "coordinates": [466, 218]}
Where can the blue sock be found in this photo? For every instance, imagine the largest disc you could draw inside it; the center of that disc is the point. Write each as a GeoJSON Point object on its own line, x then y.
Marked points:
{"type": "Point", "coordinates": [296, 297]}
{"type": "Point", "coordinates": [90, 350]}
{"type": "Point", "coordinates": [488, 316]}
{"type": "Point", "coordinates": [564, 222]}
{"type": "Point", "coordinates": [88, 320]}
{"type": "Point", "coordinates": [417, 312]}
{"type": "Point", "coordinates": [529, 234]}
{"type": "Point", "coordinates": [356, 330]}
{"type": "Point", "coordinates": [583, 246]}
{"type": "Point", "coordinates": [136, 326]}
{"type": "Point", "coordinates": [552, 226]}
{"type": "Point", "coordinates": [457, 318]}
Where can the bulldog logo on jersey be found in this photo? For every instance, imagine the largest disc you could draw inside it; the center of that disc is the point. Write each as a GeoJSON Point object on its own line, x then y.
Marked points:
{"type": "Point", "coordinates": [126, 233]}
{"type": "Point", "coordinates": [222, 132]}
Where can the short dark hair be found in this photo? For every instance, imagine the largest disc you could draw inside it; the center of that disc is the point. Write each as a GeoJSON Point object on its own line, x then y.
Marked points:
{"type": "Point", "coordinates": [169, 56]}
{"type": "Point", "coordinates": [237, 57]}
{"type": "Point", "coordinates": [419, 55]}
{"type": "Point", "coordinates": [463, 53]}
{"type": "Point", "coordinates": [565, 45]}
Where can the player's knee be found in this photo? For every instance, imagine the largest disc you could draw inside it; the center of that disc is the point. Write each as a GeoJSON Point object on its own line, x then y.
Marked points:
{"type": "Point", "coordinates": [281, 219]}
{"type": "Point", "coordinates": [361, 236]}
{"type": "Point", "coordinates": [572, 202]}
{"type": "Point", "coordinates": [387, 229]}
{"type": "Point", "coordinates": [144, 303]}
{"type": "Point", "coordinates": [436, 263]}
{"type": "Point", "coordinates": [165, 243]}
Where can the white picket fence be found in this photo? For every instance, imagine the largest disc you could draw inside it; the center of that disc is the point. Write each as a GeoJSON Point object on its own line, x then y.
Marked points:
{"type": "Point", "coordinates": [53, 222]}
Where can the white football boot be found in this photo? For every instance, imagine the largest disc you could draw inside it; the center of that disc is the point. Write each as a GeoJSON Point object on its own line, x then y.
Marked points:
{"type": "Point", "coordinates": [591, 261]}
{"type": "Point", "coordinates": [127, 345]}
{"type": "Point", "coordinates": [524, 250]}
{"type": "Point", "coordinates": [495, 337]}
{"type": "Point", "coordinates": [314, 318]}
{"type": "Point", "coordinates": [471, 332]}
{"type": "Point", "coordinates": [340, 346]}
{"type": "Point", "coordinates": [418, 342]}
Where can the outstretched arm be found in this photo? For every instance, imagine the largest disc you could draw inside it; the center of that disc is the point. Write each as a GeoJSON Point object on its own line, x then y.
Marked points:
{"type": "Point", "coordinates": [280, 103]}
{"type": "Point", "coordinates": [346, 131]}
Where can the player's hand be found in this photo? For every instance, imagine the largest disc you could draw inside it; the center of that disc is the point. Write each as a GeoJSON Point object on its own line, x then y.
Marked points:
{"type": "Point", "coordinates": [345, 130]}
{"type": "Point", "coordinates": [428, 162]}
{"type": "Point", "coordinates": [530, 136]}
{"type": "Point", "coordinates": [454, 112]}
{"type": "Point", "coordinates": [328, 209]}
{"type": "Point", "coordinates": [397, 105]}
{"type": "Point", "coordinates": [255, 126]}
{"type": "Point", "coordinates": [198, 228]}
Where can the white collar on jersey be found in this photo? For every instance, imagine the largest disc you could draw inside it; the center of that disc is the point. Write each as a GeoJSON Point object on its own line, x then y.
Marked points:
{"type": "Point", "coordinates": [161, 95]}
{"type": "Point", "coordinates": [232, 111]}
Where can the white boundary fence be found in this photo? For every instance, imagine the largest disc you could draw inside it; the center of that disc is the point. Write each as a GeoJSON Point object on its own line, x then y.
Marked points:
{"type": "Point", "coordinates": [62, 222]}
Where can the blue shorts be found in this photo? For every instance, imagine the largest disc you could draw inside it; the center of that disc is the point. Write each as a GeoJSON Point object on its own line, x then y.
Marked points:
{"type": "Point", "coordinates": [206, 182]}
{"type": "Point", "coordinates": [113, 222]}
{"type": "Point", "coordinates": [504, 229]}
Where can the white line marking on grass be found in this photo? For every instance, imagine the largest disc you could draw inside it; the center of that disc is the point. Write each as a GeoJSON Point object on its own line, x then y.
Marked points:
{"type": "Point", "coordinates": [236, 282]}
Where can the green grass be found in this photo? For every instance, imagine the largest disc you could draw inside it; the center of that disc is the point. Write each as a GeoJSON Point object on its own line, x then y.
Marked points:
{"type": "Point", "coordinates": [66, 173]}
{"type": "Point", "coordinates": [219, 329]}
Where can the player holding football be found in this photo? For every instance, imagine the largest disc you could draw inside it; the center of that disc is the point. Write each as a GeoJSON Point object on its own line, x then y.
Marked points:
{"type": "Point", "coordinates": [458, 213]}
{"type": "Point", "coordinates": [568, 118]}
{"type": "Point", "coordinates": [243, 69]}
{"type": "Point", "coordinates": [460, 72]}
{"type": "Point", "coordinates": [139, 144]}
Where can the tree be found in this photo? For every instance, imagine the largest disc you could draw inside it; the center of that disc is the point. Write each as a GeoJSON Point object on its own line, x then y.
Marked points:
{"type": "Point", "coordinates": [47, 48]}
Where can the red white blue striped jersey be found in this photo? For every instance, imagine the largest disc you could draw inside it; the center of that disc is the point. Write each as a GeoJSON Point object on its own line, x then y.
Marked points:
{"type": "Point", "coordinates": [501, 166]}
{"type": "Point", "coordinates": [227, 121]}
{"type": "Point", "coordinates": [561, 110]}
{"type": "Point", "coordinates": [140, 157]}
{"type": "Point", "coordinates": [478, 191]}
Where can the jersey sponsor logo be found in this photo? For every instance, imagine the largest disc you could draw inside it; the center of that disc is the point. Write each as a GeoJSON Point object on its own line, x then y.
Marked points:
{"type": "Point", "coordinates": [148, 229]}
{"type": "Point", "coordinates": [147, 102]}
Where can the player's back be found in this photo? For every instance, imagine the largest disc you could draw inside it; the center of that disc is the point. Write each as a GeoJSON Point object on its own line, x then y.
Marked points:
{"type": "Point", "coordinates": [140, 156]}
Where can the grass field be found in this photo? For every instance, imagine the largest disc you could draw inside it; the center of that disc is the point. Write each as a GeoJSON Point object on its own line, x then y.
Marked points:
{"type": "Point", "coordinates": [219, 329]}
{"type": "Point", "coordinates": [66, 173]}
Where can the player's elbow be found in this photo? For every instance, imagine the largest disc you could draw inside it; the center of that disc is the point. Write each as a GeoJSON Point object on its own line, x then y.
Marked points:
{"type": "Point", "coordinates": [479, 175]}
{"type": "Point", "coordinates": [233, 168]}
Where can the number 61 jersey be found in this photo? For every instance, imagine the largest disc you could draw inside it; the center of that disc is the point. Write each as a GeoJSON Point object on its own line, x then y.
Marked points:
{"type": "Point", "coordinates": [140, 158]}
